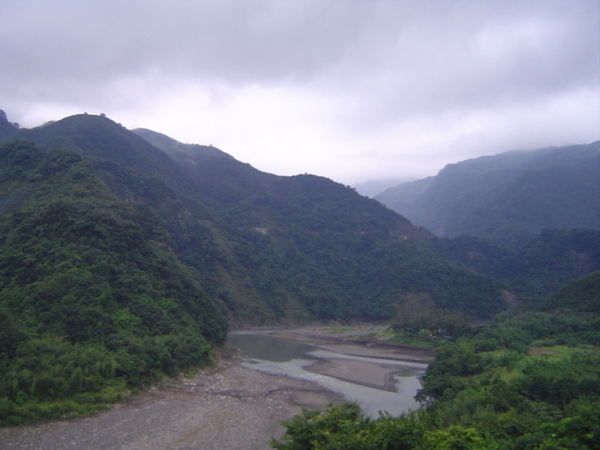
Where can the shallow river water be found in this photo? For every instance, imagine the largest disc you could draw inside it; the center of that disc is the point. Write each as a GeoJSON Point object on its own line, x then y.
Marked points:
{"type": "Point", "coordinates": [294, 359]}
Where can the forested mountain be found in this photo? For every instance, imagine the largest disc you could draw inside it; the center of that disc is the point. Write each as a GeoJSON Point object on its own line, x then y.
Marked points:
{"type": "Point", "coordinates": [581, 295]}
{"type": "Point", "coordinates": [272, 248]}
{"type": "Point", "coordinates": [125, 255]}
{"type": "Point", "coordinates": [92, 297]}
{"type": "Point", "coordinates": [184, 154]}
{"type": "Point", "coordinates": [538, 268]}
{"type": "Point", "coordinates": [6, 128]}
{"type": "Point", "coordinates": [507, 198]}
{"type": "Point", "coordinates": [371, 188]}
{"type": "Point", "coordinates": [215, 173]}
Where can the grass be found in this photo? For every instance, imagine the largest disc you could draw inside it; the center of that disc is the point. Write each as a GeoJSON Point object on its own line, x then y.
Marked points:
{"type": "Point", "coordinates": [557, 352]}
{"type": "Point", "coordinates": [414, 341]}
{"type": "Point", "coordinates": [354, 328]}
{"type": "Point", "coordinates": [379, 333]}
{"type": "Point", "coordinates": [553, 353]}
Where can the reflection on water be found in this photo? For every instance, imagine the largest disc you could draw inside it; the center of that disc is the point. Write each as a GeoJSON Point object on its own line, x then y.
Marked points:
{"type": "Point", "coordinates": [258, 346]}
{"type": "Point", "coordinates": [291, 358]}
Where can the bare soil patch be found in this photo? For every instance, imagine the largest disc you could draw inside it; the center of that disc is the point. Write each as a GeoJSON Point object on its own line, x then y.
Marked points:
{"type": "Point", "coordinates": [534, 351]}
{"type": "Point", "coordinates": [355, 341]}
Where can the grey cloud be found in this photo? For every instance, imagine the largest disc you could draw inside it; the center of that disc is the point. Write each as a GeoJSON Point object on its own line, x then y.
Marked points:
{"type": "Point", "coordinates": [270, 41]}
{"type": "Point", "coordinates": [237, 41]}
{"type": "Point", "coordinates": [484, 59]}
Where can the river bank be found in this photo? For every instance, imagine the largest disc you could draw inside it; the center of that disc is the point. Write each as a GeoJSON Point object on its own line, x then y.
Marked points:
{"type": "Point", "coordinates": [355, 341]}
{"type": "Point", "coordinates": [228, 406]}
{"type": "Point", "coordinates": [356, 354]}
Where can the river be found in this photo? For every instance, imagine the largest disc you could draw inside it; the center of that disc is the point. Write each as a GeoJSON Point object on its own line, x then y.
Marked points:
{"type": "Point", "coordinates": [377, 384]}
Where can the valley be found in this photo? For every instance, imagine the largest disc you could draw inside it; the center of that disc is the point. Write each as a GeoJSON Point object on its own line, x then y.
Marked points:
{"type": "Point", "coordinates": [128, 259]}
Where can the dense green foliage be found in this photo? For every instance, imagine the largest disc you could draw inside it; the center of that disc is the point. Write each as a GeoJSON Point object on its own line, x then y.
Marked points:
{"type": "Point", "coordinates": [507, 198]}
{"type": "Point", "coordinates": [539, 268]}
{"type": "Point", "coordinates": [92, 299]}
{"type": "Point", "coordinates": [514, 385]}
{"type": "Point", "coordinates": [582, 295]}
{"type": "Point", "coordinates": [327, 253]}
{"type": "Point", "coordinates": [436, 323]}
{"type": "Point", "coordinates": [345, 256]}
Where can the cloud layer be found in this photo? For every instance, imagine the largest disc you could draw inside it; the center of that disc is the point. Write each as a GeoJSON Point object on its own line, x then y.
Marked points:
{"type": "Point", "coordinates": [348, 89]}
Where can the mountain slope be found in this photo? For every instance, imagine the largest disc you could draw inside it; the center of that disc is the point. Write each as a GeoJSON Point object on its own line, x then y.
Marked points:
{"type": "Point", "coordinates": [272, 248]}
{"type": "Point", "coordinates": [507, 198]}
{"type": "Point", "coordinates": [183, 154]}
{"type": "Point", "coordinates": [536, 270]}
{"type": "Point", "coordinates": [307, 241]}
{"type": "Point", "coordinates": [92, 298]}
{"type": "Point", "coordinates": [581, 295]}
{"type": "Point", "coordinates": [216, 173]}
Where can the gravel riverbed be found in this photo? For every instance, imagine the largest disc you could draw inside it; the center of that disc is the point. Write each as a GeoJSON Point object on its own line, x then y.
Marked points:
{"type": "Point", "coordinates": [227, 407]}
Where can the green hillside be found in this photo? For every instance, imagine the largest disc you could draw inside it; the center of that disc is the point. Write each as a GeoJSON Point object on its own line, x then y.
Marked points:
{"type": "Point", "coordinates": [311, 242]}
{"type": "Point", "coordinates": [272, 248]}
{"type": "Point", "coordinates": [506, 198]}
{"type": "Point", "coordinates": [531, 273]}
{"type": "Point", "coordinates": [582, 295]}
{"type": "Point", "coordinates": [92, 297]}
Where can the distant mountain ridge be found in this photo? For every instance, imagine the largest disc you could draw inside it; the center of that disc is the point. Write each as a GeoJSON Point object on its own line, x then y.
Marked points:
{"type": "Point", "coordinates": [181, 153]}
{"type": "Point", "coordinates": [371, 188]}
{"type": "Point", "coordinates": [222, 177]}
{"type": "Point", "coordinates": [507, 198]}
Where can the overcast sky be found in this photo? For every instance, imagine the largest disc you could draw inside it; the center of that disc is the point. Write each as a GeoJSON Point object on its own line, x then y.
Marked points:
{"type": "Point", "coordinates": [348, 89]}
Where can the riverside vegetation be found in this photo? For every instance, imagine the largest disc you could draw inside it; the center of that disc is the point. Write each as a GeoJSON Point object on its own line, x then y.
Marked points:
{"type": "Point", "coordinates": [529, 381]}
{"type": "Point", "coordinates": [126, 256]}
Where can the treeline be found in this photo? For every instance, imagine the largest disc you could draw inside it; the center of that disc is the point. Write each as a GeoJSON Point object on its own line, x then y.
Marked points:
{"type": "Point", "coordinates": [92, 299]}
{"type": "Point", "coordinates": [529, 381]}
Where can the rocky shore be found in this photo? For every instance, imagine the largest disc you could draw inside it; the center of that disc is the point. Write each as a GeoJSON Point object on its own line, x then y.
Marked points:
{"type": "Point", "coordinates": [228, 407]}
